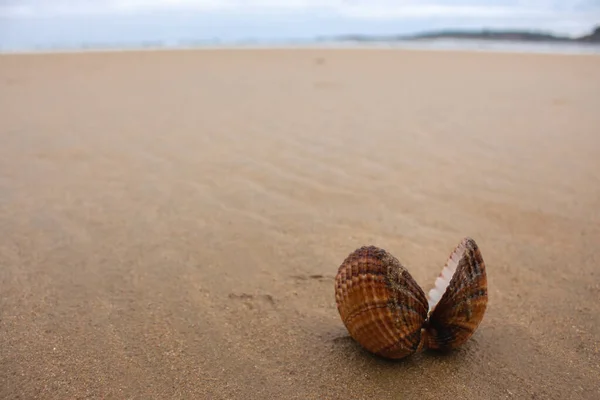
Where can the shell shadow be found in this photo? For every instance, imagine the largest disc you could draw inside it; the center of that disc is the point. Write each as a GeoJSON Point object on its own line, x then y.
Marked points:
{"type": "Point", "coordinates": [346, 345]}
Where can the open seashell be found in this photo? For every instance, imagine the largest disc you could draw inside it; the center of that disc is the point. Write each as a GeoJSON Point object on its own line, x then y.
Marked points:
{"type": "Point", "coordinates": [387, 312]}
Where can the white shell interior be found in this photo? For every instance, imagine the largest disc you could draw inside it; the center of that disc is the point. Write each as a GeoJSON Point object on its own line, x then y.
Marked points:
{"type": "Point", "coordinates": [443, 280]}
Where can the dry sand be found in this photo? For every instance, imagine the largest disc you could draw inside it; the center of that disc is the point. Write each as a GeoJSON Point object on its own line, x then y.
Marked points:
{"type": "Point", "coordinates": [171, 222]}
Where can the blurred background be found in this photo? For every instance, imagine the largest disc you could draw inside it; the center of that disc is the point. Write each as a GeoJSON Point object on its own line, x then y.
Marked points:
{"type": "Point", "coordinates": [62, 24]}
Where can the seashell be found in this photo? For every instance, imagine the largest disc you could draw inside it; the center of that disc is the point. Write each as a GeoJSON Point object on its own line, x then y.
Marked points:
{"type": "Point", "coordinates": [387, 312]}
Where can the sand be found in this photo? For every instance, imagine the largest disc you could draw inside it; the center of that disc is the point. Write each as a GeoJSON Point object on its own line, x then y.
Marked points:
{"type": "Point", "coordinates": [171, 222]}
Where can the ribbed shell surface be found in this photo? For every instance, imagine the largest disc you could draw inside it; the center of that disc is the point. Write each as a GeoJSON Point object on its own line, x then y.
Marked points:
{"type": "Point", "coordinates": [380, 304]}
{"type": "Point", "coordinates": [460, 310]}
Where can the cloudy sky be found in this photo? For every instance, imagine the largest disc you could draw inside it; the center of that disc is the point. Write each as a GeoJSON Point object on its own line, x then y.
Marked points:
{"type": "Point", "coordinates": [28, 23]}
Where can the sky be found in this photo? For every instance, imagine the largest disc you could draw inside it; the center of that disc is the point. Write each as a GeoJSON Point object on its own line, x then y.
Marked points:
{"type": "Point", "coordinates": [41, 23]}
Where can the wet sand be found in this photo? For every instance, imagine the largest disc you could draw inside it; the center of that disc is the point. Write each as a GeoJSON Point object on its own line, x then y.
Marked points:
{"type": "Point", "coordinates": [171, 222]}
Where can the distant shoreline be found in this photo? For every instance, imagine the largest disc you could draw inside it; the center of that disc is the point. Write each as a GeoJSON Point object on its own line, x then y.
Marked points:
{"type": "Point", "coordinates": [482, 34]}
{"type": "Point", "coordinates": [457, 40]}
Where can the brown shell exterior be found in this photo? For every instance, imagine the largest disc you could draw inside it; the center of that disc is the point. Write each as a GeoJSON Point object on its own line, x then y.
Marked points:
{"type": "Point", "coordinates": [380, 304]}
{"type": "Point", "coordinates": [460, 310]}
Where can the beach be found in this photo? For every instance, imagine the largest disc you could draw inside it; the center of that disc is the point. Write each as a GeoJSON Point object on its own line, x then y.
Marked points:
{"type": "Point", "coordinates": [171, 222]}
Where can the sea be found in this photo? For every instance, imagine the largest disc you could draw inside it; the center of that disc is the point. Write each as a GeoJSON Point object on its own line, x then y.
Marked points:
{"type": "Point", "coordinates": [439, 44]}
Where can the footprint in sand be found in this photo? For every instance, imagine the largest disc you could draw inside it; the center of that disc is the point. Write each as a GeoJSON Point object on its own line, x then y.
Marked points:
{"type": "Point", "coordinates": [252, 302]}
